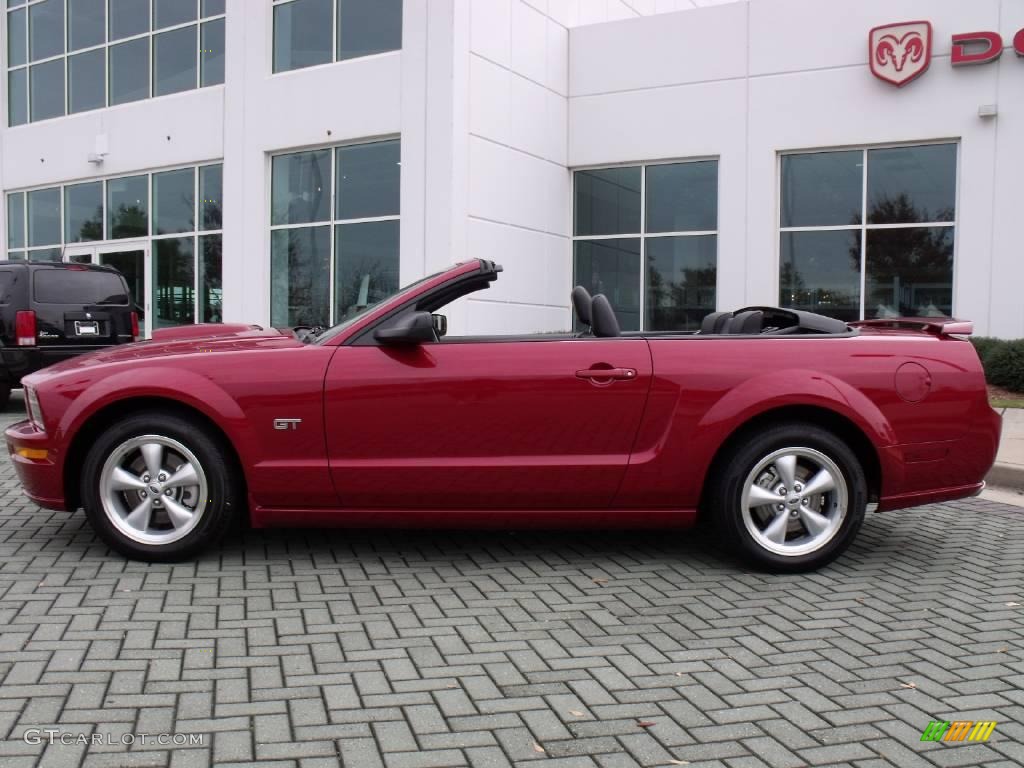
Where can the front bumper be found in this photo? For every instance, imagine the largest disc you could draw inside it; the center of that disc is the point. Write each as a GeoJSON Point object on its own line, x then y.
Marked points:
{"type": "Point", "coordinates": [41, 478]}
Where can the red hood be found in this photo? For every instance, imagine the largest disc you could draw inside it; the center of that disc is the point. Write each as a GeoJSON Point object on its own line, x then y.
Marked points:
{"type": "Point", "coordinates": [211, 331]}
{"type": "Point", "coordinates": [182, 341]}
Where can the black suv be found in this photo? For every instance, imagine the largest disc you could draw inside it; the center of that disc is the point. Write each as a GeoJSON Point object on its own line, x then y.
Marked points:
{"type": "Point", "coordinates": [50, 311]}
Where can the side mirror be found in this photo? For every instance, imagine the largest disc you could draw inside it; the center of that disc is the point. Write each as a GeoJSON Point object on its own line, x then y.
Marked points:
{"type": "Point", "coordinates": [440, 325]}
{"type": "Point", "coordinates": [414, 328]}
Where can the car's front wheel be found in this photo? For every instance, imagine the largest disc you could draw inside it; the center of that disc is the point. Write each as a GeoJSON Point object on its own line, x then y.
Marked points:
{"type": "Point", "coordinates": [158, 487]}
{"type": "Point", "coordinates": [790, 498]}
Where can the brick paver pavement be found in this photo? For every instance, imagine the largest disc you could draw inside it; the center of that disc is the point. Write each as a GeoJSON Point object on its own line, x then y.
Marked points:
{"type": "Point", "coordinates": [420, 649]}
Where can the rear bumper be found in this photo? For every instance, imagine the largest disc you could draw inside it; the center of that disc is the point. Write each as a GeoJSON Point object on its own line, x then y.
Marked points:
{"type": "Point", "coordinates": [926, 473]}
{"type": "Point", "coordinates": [42, 479]}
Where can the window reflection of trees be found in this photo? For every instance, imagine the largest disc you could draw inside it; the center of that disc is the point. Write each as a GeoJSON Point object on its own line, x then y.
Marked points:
{"type": "Point", "coordinates": [680, 303]}
{"type": "Point", "coordinates": [908, 268]}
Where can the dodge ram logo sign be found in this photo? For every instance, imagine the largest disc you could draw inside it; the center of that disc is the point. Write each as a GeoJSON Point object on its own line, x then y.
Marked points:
{"type": "Point", "coordinates": [900, 52]}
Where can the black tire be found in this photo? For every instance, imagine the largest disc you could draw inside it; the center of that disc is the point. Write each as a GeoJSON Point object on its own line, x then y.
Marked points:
{"type": "Point", "coordinates": [222, 487]}
{"type": "Point", "coordinates": [730, 481]}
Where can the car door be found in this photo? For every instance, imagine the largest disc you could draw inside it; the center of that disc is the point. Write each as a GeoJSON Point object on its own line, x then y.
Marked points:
{"type": "Point", "coordinates": [484, 424]}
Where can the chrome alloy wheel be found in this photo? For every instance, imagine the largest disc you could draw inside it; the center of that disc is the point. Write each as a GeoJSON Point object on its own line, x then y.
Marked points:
{"type": "Point", "coordinates": [794, 501]}
{"type": "Point", "coordinates": [153, 489]}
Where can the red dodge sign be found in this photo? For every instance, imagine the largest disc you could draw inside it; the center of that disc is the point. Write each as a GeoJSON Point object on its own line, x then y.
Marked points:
{"type": "Point", "coordinates": [901, 52]}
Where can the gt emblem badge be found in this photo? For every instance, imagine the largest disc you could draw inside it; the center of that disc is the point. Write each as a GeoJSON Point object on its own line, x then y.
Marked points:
{"type": "Point", "coordinates": [282, 424]}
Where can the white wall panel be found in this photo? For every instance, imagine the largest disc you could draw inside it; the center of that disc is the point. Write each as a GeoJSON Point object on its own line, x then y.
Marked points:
{"type": "Point", "coordinates": [688, 47]}
{"type": "Point", "coordinates": [511, 187]}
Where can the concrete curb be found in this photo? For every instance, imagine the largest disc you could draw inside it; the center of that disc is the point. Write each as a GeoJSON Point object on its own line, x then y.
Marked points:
{"type": "Point", "coordinates": [1006, 476]}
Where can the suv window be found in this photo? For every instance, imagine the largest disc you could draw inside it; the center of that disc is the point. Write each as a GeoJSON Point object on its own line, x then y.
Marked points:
{"type": "Point", "coordinates": [74, 286]}
{"type": "Point", "coordinates": [7, 278]}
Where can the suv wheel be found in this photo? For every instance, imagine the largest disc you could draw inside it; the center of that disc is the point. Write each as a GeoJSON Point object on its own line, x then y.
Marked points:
{"type": "Point", "coordinates": [158, 488]}
{"type": "Point", "coordinates": [792, 498]}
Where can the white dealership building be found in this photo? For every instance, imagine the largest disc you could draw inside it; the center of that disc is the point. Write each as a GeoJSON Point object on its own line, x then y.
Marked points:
{"type": "Point", "coordinates": [290, 161]}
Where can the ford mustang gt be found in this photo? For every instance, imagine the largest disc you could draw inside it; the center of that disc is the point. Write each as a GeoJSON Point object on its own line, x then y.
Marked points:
{"type": "Point", "coordinates": [779, 426]}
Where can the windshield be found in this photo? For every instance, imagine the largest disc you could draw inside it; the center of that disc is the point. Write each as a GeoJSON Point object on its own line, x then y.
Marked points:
{"type": "Point", "coordinates": [333, 331]}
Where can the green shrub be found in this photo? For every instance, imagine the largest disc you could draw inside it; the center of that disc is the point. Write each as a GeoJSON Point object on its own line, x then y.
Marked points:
{"type": "Point", "coordinates": [1004, 365]}
{"type": "Point", "coordinates": [985, 345]}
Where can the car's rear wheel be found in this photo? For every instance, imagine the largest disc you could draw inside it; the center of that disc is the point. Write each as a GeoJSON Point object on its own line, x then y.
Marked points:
{"type": "Point", "coordinates": [158, 487]}
{"type": "Point", "coordinates": [790, 498]}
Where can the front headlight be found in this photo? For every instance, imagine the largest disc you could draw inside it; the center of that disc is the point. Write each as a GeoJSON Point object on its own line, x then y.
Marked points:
{"type": "Point", "coordinates": [35, 413]}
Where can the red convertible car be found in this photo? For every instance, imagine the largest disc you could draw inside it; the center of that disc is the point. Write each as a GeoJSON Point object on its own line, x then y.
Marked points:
{"type": "Point", "coordinates": [780, 426]}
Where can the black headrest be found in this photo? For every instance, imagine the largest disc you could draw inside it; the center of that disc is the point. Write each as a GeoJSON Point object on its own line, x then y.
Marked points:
{"type": "Point", "coordinates": [715, 322]}
{"type": "Point", "coordinates": [748, 323]}
{"type": "Point", "coordinates": [581, 303]}
{"type": "Point", "coordinates": [603, 317]}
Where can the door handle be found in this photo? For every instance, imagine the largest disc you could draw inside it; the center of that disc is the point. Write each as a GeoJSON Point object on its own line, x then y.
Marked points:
{"type": "Point", "coordinates": [607, 374]}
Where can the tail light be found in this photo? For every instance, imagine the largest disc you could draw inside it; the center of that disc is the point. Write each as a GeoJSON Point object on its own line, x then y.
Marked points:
{"type": "Point", "coordinates": [135, 326]}
{"type": "Point", "coordinates": [25, 328]}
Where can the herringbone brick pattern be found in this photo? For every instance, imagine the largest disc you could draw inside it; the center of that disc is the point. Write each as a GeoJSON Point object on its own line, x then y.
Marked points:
{"type": "Point", "coordinates": [421, 649]}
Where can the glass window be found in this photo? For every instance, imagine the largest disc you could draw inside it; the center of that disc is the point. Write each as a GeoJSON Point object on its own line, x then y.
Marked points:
{"type": "Point", "coordinates": [45, 254]}
{"type": "Point", "coordinates": [211, 190]}
{"type": "Point", "coordinates": [128, 17]}
{"type": "Point", "coordinates": [820, 272]}
{"type": "Point", "coordinates": [365, 265]}
{"type": "Point", "coordinates": [46, 86]}
{"type": "Point", "coordinates": [302, 34]}
{"type": "Point", "coordinates": [174, 66]}
{"type": "Point", "coordinates": [653, 282]}
{"type": "Point", "coordinates": [681, 280]}
{"type": "Point", "coordinates": [212, 49]}
{"type": "Point", "coordinates": [301, 187]}
{"type": "Point", "coordinates": [168, 13]}
{"type": "Point", "coordinates": [129, 71]}
{"type": "Point", "coordinates": [682, 197]}
{"type": "Point", "coordinates": [607, 201]}
{"type": "Point", "coordinates": [16, 220]}
{"type": "Point", "coordinates": [16, 38]}
{"type": "Point", "coordinates": [17, 97]}
{"type": "Point", "coordinates": [108, 52]}
{"type": "Point", "coordinates": [174, 201]}
{"type": "Point", "coordinates": [83, 212]}
{"type": "Point", "coordinates": [367, 180]}
{"type": "Point", "coordinates": [173, 282]}
{"type": "Point", "coordinates": [338, 269]}
{"type": "Point", "coordinates": [87, 23]}
{"type": "Point", "coordinates": [127, 207]}
{"type": "Point", "coordinates": [366, 27]}
{"type": "Point", "coordinates": [612, 267]}
{"type": "Point", "coordinates": [44, 216]}
{"type": "Point", "coordinates": [87, 80]}
{"type": "Point", "coordinates": [132, 265]}
{"type": "Point", "coordinates": [300, 262]}
{"type": "Point", "coordinates": [211, 294]}
{"type": "Point", "coordinates": [912, 184]}
{"type": "Point", "coordinates": [46, 29]}
{"type": "Point", "coordinates": [66, 286]}
{"type": "Point", "coordinates": [16, 255]}
{"type": "Point", "coordinates": [117, 209]}
{"type": "Point", "coordinates": [821, 189]}
{"type": "Point", "coordinates": [906, 269]}
{"type": "Point", "coordinates": [909, 272]}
